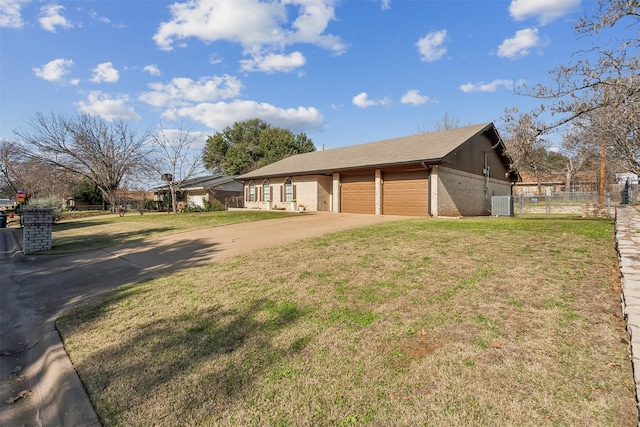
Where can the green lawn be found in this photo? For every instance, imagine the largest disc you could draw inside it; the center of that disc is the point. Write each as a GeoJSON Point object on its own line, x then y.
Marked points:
{"type": "Point", "coordinates": [509, 322]}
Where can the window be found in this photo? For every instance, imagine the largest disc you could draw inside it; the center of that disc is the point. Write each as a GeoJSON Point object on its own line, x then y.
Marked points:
{"type": "Point", "coordinates": [266, 191]}
{"type": "Point", "coordinates": [252, 192]}
{"type": "Point", "coordinates": [288, 190]}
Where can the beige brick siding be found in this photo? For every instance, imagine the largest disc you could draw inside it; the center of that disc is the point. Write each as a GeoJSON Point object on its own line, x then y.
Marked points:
{"type": "Point", "coordinates": [311, 191]}
{"type": "Point", "coordinates": [325, 184]}
{"type": "Point", "coordinates": [336, 192]}
{"type": "Point", "coordinates": [462, 194]}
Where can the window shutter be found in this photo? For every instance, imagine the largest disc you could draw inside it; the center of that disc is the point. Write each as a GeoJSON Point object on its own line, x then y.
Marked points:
{"type": "Point", "coordinates": [246, 194]}
{"type": "Point", "coordinates": [282, 193]}
{"type": "Point", "coordinates": [271, 193]}
{"type": "Point", "coordinates": [294, 192]}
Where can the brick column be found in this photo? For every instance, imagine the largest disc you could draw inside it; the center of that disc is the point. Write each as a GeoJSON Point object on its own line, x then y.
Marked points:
{"type": "Point", "coordinates": [37, 224]}
{"type": "Point", "coordinates": [378, 192]}
{"type": "Point", "coordinates": [336, 192]}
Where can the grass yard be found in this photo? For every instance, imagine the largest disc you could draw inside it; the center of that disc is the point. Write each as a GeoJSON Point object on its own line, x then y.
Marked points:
{"type": "Point", "coordinates": [510, 322]}
{"type": "Point", "coordinates": [113, 230]}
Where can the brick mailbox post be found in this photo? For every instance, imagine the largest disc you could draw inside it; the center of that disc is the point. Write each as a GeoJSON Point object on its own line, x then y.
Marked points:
{"type": "Point", "coordinates": [37, 224]}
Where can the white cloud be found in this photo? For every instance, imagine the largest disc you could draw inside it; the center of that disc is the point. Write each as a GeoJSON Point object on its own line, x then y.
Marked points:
{"type": "Point", "coordinates": [544, 10]}
{"type": "Point", "coordinates": [152, 69]}
{"type": "Point", "coordinates": [10, 16]}
{"type": "Point", "coordinates": [266, 30]}
{"type": "Point", "coordinates": [50, 18]}
{"type": "Point", "coordinates": [105, 73]}
{"type": "Point", "coordinates": [221, 114]}
{"type": "Point", "coordinates": [182, 91]}
{"type": "Point", "coordinates": [521, 43]}
{"type": "Point", "coordinates": [273, 62]}
{"type": "Point", "coordinates": [431, 46]}
{"type": "Point", "coordinates": [54, 71]}
{"type": "Point", "coordinates": [486, 87]}
{"type": "Point", "coordinates": [103, 105]}
{"type": "Point", "coordinates": [413, 97]}
{"type": "Point", "coordinates": [386, 4]}
{"type": "Point", "coordinates": [362, 100]}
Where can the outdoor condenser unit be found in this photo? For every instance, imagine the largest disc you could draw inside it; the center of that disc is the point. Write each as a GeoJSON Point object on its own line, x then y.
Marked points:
{"type": "Point", "coordinates": [502, 205]}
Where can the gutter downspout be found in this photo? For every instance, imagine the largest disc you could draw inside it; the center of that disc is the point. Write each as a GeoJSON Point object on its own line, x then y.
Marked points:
{"type": "Point", "coordinates": [428, 169]}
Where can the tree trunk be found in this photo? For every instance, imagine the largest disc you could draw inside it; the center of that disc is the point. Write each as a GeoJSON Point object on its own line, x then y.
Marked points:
{"type": "Point", "coordinates": [174, 204]}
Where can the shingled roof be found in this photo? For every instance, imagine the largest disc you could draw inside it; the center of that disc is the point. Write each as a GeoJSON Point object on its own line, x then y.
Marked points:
{"type": "Point", "coordinates": [427, 147]}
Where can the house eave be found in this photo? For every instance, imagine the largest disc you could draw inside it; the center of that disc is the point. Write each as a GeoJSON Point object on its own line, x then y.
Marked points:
{"type": "Point", "coordinates": [331, 171]}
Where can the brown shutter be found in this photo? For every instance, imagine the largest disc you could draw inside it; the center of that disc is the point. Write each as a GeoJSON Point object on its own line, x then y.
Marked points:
{"type": "Point", "coordinates": [271, 195]}
{"type": "Point", "coordinates": [294, 192]}
{"type": "Point", "coordinates": [246, 194]}
{"type": "Point", "coordinates": [282, 193]}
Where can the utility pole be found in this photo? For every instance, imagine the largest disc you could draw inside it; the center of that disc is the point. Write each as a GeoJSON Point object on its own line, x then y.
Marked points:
{"type": "Point", "coordinates": [603, 158]}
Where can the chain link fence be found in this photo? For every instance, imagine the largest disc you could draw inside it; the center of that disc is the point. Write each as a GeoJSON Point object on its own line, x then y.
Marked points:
{"type": "Point", "coordinates": [582, 204]}
{"type": "Point", "coordinates": [586, 204]}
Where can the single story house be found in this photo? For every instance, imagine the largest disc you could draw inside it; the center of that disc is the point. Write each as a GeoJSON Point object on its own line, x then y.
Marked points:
{"type": "Point", "coordinates": [452, 172]}
{"type": "Point", "coordinates": [226, 190]}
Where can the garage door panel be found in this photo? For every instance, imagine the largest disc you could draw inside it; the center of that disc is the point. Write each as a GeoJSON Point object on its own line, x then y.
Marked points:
{"type": "Point", "coordinates": [358, 194]}
{"type": "Point", "coordinates": [406, 193]}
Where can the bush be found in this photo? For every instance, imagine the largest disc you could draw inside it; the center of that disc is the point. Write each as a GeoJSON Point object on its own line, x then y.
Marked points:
{"type": "Point", "coordinates": [214, 206]}
{"type": "Point", "coordinates": [51, 202]}
{"type": "Point", "coordinates": [151, 205]}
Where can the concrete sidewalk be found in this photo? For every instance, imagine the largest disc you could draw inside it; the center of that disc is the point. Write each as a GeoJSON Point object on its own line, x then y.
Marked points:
{"type": "Point", "coordinates": [35, 372]}
{"type": "Point", "coordinates": [628, 245]}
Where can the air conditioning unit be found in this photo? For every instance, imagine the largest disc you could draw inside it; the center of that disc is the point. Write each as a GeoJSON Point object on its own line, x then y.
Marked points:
{"type": "Point", "coordinates": [502, 205]}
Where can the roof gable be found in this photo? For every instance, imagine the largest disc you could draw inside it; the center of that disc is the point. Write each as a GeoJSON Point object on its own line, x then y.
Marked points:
{"type": "Point", "coordinates": [427, 147]}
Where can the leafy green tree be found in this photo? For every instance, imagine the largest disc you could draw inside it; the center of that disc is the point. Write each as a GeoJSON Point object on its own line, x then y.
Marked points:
{"type": "Point", "coordinates": [252, 144]}
{"type": "Point", "coordinates": [87, 191]}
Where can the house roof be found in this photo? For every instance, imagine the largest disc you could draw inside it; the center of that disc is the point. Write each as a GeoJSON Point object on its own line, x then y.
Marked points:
{"type": "Point", "coordinates": [425, 147]}
{"type": "Point", "coordinates": [206, 182]}
{"type": "Point", "coordinates": [203, 182]}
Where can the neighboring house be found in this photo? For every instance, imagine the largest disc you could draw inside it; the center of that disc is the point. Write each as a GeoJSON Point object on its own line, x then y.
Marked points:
{"type": "Point", "coordinates": [448, 173]}
{"type": "Point", "coordinates": [226, 190]}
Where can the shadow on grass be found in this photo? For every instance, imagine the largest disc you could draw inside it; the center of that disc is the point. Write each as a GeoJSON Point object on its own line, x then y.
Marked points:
{"type": "Point", "coordinates": [225, 350]}
{"type": "Point", "coordinates": [70, 244]}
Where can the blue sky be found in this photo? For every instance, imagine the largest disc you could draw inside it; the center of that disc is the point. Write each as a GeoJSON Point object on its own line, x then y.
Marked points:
{"type": "Point", "coordinates": [342, 71]}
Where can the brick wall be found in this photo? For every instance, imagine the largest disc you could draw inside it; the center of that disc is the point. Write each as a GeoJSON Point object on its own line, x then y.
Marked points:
{"type": "Point", "coordinates": [462, 194]}
{"type": "Point", "coordinates": [37, 224]}
{"type": "Point", "coordinates": [311, 191]}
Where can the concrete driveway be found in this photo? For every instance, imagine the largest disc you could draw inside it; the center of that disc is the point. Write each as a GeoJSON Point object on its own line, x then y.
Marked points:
{"type": "Point", "coordinates": [35, 372]}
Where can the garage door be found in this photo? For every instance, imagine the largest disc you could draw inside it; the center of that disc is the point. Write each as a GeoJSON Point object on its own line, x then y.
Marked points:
{"type": "Point", "coordinates": [405, 193]}
{"type": "Point", "coordinates": [358, 194]}
{"type": "Point", "coordinates": [196, 200]}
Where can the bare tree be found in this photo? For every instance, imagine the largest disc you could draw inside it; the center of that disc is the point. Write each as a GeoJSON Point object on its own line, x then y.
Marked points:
{"type": "Point", "coordinates": [177, 159]}
{"type": "Point", "coordinates": [33, 176]}
{"type": "Point", "coordinates": [445, 123]}
{"type": "Point", "coordinates": [604, 79]}
{"type": "Point", "coordinates": [525, 145]}
{"type": "Point", "coordinates": [104, 152]}
{"type": "Point", "coordinates": [576, 152]}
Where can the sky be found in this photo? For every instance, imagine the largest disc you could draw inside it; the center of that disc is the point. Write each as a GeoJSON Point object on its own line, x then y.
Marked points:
{"type": "Point", "coordinates": [342, 71]}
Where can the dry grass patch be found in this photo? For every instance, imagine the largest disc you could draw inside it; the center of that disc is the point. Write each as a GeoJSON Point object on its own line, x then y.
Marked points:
{"type": "Point", "coordinates": [93, 233]}
{"type": "Point", "coordinates": [419, 322]}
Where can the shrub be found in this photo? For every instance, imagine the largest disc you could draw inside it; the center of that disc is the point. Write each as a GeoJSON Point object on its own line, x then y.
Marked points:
{"type": "Point", "coordinates": [214, 206]}
{"type": "Point", "coordinates": [51, 202]}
